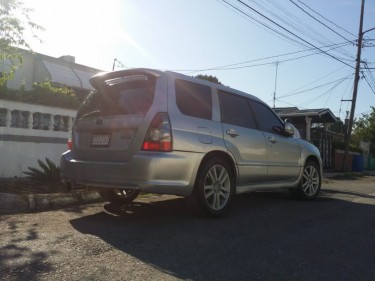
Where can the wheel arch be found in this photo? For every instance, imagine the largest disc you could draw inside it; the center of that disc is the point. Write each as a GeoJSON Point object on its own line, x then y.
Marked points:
{"type": "Point", "coordinates": [315, 159]}
{"type": "Point", "coordinates": [223, 155]}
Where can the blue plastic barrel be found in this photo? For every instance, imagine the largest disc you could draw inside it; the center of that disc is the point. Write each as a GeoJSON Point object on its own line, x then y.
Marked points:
{"type": "Point", "coordinates": [357, 164]}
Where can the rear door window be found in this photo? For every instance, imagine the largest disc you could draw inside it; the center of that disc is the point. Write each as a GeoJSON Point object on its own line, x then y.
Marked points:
{"type": "Point", "coordinates": [236, 111]}
{"type": "Point", "coordinates": [194, 99]}
{"type": "Point", "coordinates": [266, 119]}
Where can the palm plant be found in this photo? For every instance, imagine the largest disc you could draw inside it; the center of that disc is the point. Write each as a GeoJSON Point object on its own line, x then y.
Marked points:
{"type": "Point", "coordinates": [49, 172]}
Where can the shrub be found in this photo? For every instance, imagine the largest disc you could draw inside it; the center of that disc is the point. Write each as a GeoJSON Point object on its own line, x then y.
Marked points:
{"type": "Point", "coordinates": [50, 172]}
{"type": "Point", "coordinates": [340, 145]}
{"type": "Point", "coordinates": [45, 94]}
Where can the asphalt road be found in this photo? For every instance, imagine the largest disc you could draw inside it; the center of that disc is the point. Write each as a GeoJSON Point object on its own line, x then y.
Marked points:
{"type": "Point", "coordinates": [265, 236]}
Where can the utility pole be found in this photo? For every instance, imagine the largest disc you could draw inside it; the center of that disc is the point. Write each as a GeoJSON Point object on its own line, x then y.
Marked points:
{"type": "Point", "coordinates": [274, 92]}
{"type": "Point", "coordinates": [355, 88]}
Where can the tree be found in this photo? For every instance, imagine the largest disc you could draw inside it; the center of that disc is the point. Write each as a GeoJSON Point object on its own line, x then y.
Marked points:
{"type": "Point", "coordinates": [14, 22]}
{"type": "Point", "coordinates": [364, 129]}
{"type": "Point", "coordinates": [209, 78]}
{"type": "Point", "coordinates": [337, 127]}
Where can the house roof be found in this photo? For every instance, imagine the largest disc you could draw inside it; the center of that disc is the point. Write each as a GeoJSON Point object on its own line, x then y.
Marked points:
{"type": "Point", "coordinates": [320, 115]}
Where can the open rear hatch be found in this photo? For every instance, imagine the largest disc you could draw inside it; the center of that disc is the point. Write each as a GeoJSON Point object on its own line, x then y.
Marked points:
{"type": "Point", "coordinates": [107, 123]}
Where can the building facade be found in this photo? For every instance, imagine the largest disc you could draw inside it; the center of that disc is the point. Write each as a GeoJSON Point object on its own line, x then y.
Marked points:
{"type": "Point", "coordinates": [29, 132]}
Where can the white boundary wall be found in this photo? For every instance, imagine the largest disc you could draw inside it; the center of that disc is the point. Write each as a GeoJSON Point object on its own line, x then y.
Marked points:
{"type": "Point", "coordinates": [30, 132]}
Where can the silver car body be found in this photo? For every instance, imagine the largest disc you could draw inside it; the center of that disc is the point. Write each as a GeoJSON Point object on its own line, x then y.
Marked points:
{"type": "Point", "coordinates": [259, 158]}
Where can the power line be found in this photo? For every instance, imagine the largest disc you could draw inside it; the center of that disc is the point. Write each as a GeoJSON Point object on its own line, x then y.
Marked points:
{"type": "Point", "coordinates": [318, 20]}
{"type": "Point", "coordinates": [326, 19]}
{"type": "Point", "coordinates": [316, 87]}
{"type": "Point", "coordinates": [278, 33]}
{"type": "Point", "coordinates": [289, 19]}
{"type": "Point", "coordinates": [233, 65]}
{"type": "Point", "coordinates": [370, 76]}
{"type": "Point", "coordinates": [263, 24]}
{"type": "Point", "coordinates": [295, 22]}
{"type": "Point", "coordinates": [293, 33]}
{"type": "Point", "coordinates": [368, 83]}
{"type": "Point", "coordinates": [320, 78]}
{"type": "Point", "coordinates": [329, 90]}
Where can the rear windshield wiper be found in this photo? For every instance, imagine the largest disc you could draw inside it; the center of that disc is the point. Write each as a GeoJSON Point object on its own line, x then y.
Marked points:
{"type": "Point", "coordinates": [91, 114]}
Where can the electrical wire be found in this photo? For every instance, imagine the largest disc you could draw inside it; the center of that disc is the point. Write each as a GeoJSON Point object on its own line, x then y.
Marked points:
{"type": "Point", "coordinates": [329, 90]}
{"type": "Point", "coordinates": [264, 25]}
{"type": "Point", "coordinates": [300, 38]}
{"type": "Point", "coordinates": [295, 23]}
{"type": "Point", "coordinates": [326, 19]}
{"type": "Point", "coordinates": [371, 77]}
{"type": "Point", "coordinates": [319, 21]}
{"type": "Point", "coordinates": [233, 65]}
{"type": "Point", "coordinates": [316, 87]}
{"type": "Point", "coordinates": [277, 33]}
{"type": "Point", "coordinates": [368, 83]}
{"type": "Point", "coordinates": [320, 78]}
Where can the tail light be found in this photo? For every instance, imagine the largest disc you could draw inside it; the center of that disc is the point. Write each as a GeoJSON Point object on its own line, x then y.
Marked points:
{"type": "Point", "coordinates": [159, 135]}
{"type": "Point", "coordinates": [70, 141]}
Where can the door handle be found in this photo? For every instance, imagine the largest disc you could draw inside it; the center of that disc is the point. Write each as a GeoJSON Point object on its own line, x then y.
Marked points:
{"type": "Point", "coordinates": [272, 139]}
{"type": "Point", "coordinates": [232, 132]}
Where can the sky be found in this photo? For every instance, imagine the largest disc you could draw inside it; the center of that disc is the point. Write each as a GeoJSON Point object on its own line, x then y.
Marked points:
{"type": "Point", "coordinates": [224, 38]}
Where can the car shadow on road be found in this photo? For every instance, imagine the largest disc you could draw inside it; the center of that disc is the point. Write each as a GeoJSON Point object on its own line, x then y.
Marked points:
{"type": "Point", "coordinates": [265, 236]}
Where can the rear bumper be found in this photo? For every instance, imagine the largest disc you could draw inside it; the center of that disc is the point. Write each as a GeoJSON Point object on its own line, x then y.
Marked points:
{"type": "Point", "coordinates": [163, 173]}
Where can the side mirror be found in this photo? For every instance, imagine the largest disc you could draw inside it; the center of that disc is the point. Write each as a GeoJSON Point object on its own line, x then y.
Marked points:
{"type": "Point", "coordinates": [288, 129]}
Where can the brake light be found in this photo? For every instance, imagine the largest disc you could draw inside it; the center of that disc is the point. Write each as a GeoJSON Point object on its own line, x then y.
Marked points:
{"type": "Point", "coordinates": [159, 135]}
{"type": "Point", "coordinates": [70, 141]}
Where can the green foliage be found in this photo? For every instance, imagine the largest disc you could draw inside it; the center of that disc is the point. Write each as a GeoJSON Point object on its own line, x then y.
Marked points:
{"type": "Point", "coordinates": [341, 145]}
{"type": "Point", "coordinates": [49, 172]}
{"type": "Point", "coordinates": [364, 129]}
{"type": "Point", "coordinates": [45, 94]}
{"type": "Point", "coordinates": [210, 78]}
{"type": "Point", "coordinates": [337, 127]}
{"type": "Point", "coordinates": [15, 21]}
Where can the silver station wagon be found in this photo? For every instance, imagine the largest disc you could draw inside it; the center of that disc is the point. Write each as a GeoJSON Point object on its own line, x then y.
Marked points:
{"type": "Point", "coordinates": [145, 130]}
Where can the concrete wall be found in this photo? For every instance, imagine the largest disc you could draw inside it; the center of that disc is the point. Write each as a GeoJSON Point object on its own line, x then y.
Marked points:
{"type": "Point", "coordinates": [16, 156]}
{"type": "Point", "coordinates": [23, 142]}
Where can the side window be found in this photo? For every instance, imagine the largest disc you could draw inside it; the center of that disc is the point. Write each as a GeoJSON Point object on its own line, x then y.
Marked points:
{"type": "Point", "coordinates": [236, 111]}
{"type": "Point", "coordinates": [194, 99]}
{"type": "Point", "coordinates": [265, 117]}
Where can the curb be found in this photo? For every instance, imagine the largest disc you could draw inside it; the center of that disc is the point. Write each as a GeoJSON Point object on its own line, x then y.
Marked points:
{"type": "Point", "coordinates": [28, 203]}
{"type": "Point", "coordinates": [329, 175]}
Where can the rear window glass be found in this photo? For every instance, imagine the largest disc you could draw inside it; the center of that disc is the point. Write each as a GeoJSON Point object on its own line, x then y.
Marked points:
{"type": "Point", "coordinates": [129, 98]}
{"type": "Point", "coordinates": [194, 99]}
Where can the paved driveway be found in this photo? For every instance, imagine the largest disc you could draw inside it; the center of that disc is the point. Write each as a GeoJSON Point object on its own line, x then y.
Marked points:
{"type": "Point", "coordinates": [266, 236]}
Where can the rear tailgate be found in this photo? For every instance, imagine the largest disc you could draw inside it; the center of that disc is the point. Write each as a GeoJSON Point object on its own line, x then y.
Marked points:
{"type": "Point", "coordinates": [107, 127]}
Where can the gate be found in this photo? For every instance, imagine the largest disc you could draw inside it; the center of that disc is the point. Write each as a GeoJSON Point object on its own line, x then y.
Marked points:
{"type": "Point", "coordinates": [325, 146]}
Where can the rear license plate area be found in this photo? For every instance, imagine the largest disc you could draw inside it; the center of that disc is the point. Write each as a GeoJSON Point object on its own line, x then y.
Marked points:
{"type": "Point", "coordinates": [100, 140]}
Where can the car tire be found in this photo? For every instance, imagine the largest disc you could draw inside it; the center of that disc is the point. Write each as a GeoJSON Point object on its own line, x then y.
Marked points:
{"type": "Point", "coordinates": [310, 183]}
{"type": "Point", "coordinates": [120, 196]}
{"type": "Point", "coordinates": [214, 188]}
